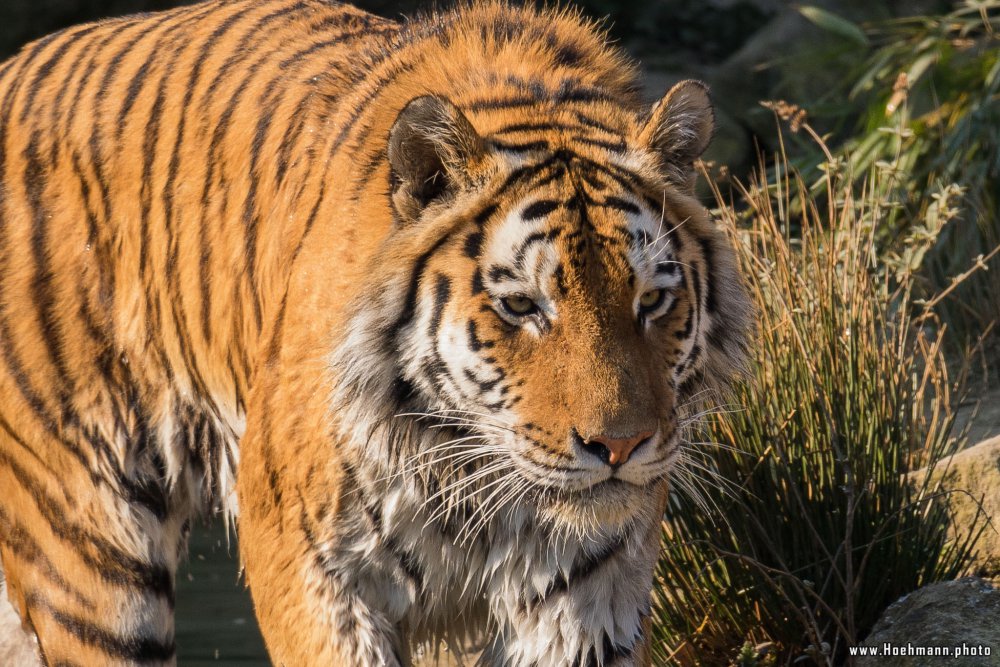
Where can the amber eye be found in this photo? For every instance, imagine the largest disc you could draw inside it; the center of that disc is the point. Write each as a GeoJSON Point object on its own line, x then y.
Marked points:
{"type": "Point", "coordinates": [518, 304]}
{"type": "Point", "coordinates": [651, 300]}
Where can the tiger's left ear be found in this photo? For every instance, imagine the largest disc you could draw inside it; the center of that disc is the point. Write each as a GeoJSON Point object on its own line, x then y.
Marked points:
{"type": "Point", "coordinates": [679, 129]}
{"type": "Point", "coordinates": [431, 146]}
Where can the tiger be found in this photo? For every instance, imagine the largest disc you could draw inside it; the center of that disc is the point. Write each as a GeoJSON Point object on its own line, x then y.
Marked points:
{"type": "Point", "coordinates": [420, 305]}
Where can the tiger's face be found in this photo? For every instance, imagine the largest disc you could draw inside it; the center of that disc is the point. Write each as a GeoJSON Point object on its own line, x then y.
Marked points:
{"type": "Point", "coordinates": [559, 329]}
{"type": "Point", "coordinates": [555, 302]}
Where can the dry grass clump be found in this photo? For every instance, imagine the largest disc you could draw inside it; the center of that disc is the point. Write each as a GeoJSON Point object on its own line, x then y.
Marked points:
{"type": "Point", "coordinates": [792, 525]}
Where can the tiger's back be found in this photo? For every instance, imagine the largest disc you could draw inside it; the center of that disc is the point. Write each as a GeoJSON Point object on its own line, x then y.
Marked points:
{"type": "Point", "coordinates": [196, 207]}
{"type": "Point", "coordinates": [140, 157]}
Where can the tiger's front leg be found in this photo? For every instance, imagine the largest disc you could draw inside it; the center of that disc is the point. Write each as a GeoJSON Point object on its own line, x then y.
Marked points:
{"type": "Point", "coordinates": [317, 599]}
{"type": "Point", "coordinates": [89, 559]}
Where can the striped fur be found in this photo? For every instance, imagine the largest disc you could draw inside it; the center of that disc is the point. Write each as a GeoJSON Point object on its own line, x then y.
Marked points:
{"type": "Point", "coordinates": [277, 237]}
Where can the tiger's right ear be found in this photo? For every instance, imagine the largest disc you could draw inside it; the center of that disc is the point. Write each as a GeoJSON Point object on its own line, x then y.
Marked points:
{"type": "Point", "coordinates": [431, 145]}
{"type": "Point", "coordinates": [679, 129]}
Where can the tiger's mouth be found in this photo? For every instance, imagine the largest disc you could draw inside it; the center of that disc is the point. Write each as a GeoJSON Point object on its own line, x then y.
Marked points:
{"type": "Point", "coordinates": [610, 493]}
{"type": "Point", "coordinates": [609, 504]}
{"type": "Point", "coordinates": [607, 489]}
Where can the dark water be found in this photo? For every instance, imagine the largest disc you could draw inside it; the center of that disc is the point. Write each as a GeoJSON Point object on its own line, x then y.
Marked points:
{"type": "Point", "coordinates": [215, 620]}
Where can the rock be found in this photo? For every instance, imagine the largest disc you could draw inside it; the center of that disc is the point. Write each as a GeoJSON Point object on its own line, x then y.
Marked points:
{"type": "Point", "coordinates": [961, 617]}
{"type": "Point", "coordinates": [981, 416]}
{"type": "Point", "coordinates": [974, 476]}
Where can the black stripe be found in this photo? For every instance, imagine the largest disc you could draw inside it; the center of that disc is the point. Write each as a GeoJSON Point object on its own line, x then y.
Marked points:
{"type": "Point", "coordinates": [483, 216]}
{"type": "Point", "coordinates": [112, 30]}
{"type": "Point", "coordinates": [292, 133]}
{"type": "Point", "coordinates": [34, 400]}
{"type": "Point", "coordinates": [473, 244]}
{"type": "Point", "coordinates": [43, 295]}
{"type": "Point", "coordinates": [14, 365]}
{"type": "Point", "coordinates": [497, 103]}
{"type": "Point", "coordinates": [410, 301]}
{"type": "Point", "coordinates": [485, 385]}
{"type": "Point", "coordinates": [126, 647]}
{"type": "Point", "coordinates": [56, 108]}
{"type": "Point", "coordinates": [539, 209]}
{"type": "Point", "coordinates": [101, 335]}
{"type": "Point", "coordinates": [708, 251]}
{"type": "Point", "coordinates": [240, 53]}
{"type": "Point", "coordinates": [519, 147]}
{"type": "Point", "coordinates": [442, 292]}
{"type": "Point", "coordinates": [45, 302]}
{"type": "Point", "coordinates": [688, 325]}
{"type": "Point", "coordinates": [497, 273]}
{"type": "Point", "coordinates": [436, 369]}
{"type": "Point", "coordinates": [133, 89]}
{"type": "Point", "coordinates": [178, 312]}
{"type": "Point", "coordinates": [154, 310]}
{"type": "Point", "coordinates": [95, 142]}
{"type": "Point", "coordinates": [7, 66]}
{"type": "Point", "coordinates": [477, 282]}
{"type": "Point", "coordinates": [16, 439]}
{"type": "Point", "coordinates": [334, 41]}
{"type": "Point", "coordinates": [571, 91]}
{"type": "Point", "coordinates": [539, 126]}
{"type": "Point", "coordinates": [696, 287]}
{"type": "Point", "coordinates": [560, 276]}
{"type": "Point", "coordinates": [376, 87]}
{"type": "Point", "coordinates": [620, 204]}
{"type": "Point", "coordinates": [561, 159]}
{"type": "Point", "coordinates": [6, 108]}
{"type": "Point", "coordinates": [526, 173]}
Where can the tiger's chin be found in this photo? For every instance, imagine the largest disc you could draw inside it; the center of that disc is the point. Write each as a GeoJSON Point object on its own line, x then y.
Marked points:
{"type": "Point", "coordinates": [605, 506]}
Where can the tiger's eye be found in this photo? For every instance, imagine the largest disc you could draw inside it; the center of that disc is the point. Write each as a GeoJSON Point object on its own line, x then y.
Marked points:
{"type": "Point", "coordinates": [518, 304]}
{"type": "Point", "coordinates": [651, 299]}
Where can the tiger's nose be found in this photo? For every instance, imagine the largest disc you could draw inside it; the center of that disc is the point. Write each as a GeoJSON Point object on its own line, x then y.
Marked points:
{"type": "Point", "coordinates": [615, 451]}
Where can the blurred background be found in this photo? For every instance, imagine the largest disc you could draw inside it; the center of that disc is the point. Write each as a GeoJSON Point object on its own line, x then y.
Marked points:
{"type": "Point", "coordinates": [900, 101]}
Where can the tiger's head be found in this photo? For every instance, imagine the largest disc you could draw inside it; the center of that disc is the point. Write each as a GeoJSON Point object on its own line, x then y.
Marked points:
{"type": "Point", "coordinates": [550, 297]}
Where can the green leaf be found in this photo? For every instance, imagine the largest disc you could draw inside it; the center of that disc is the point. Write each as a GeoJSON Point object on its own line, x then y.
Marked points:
{"type": "Point", "coordinates": [836, 24]}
